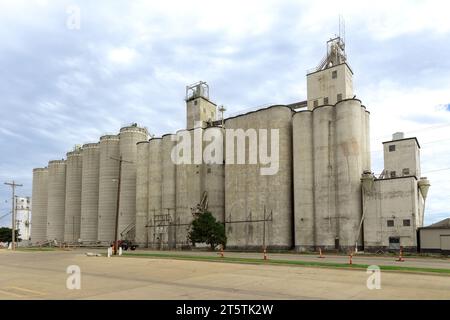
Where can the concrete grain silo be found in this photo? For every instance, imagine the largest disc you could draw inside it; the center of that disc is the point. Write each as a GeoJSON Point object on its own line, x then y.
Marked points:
{"type": "Point", "coordinates": [326, 224]}
{"type": "Point", "coordinates": [90, 192]}
{"type": "Point", "coordinates": [303, 163]}
{"type": "Point", "coordinates": [56, 200]}
{"type": "Point", "coordinates": [129, 136]}
{"type": "Point", "coordinates": [188, 187]}
{"type": "Point", "coordinates": [108, 182]}
{"type": "Point", "coordinates": [154, 187]}
{"type": "Point", "coordinates": [40, 198]}
{"type": "Point", "coordinates": [168, 199]}
{"type": "Point", "coordinates": [72, 218]}
{"type": "Point", "coordinates": [249, 194]}
{"type": "Point", "coordinates": [367, 162]}
{"type": "Point", "coordinates": [235, 189]}
{"type": "Point", "coordinates": [349, 167]}
{"type": "Point", "coordinates": [142, 184]}
{"type": "Point", "coordinates": [214, 175]}
{"type": "Point", "coordinates": [278, 187]}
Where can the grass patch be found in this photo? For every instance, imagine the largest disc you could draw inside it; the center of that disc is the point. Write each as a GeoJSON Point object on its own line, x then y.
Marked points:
{"type": "Point", "coordinates": [286, 262]}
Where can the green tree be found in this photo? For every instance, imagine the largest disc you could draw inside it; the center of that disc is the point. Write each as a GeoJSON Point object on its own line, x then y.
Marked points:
{"type": "Point", "coordinates": [6, 235]}
{"type": "Point", "coordinates": [205, 228]}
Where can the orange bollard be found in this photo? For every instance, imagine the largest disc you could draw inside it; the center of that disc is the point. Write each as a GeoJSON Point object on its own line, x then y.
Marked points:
{"type": "Point", "coordinates": [221, 252]}
{"type": "Point", "coordinates": [351, 258]}
{"type": "Point", "coordinates": [265, 254]}
{"type": "Point", "coordinates": [400, 256]}
{"type": "Point", "coordinates": [320, 253]}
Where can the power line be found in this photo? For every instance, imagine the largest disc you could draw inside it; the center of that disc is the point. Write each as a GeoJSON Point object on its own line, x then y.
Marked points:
{"type": "Point", "coordinates": [419, 130]}
{"type": "Point", "coordinates": [437, 170]}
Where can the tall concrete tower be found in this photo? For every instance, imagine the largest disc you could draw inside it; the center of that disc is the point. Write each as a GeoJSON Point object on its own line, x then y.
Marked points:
{"type": "Point", "coordinates": [198, 105]}
{"type": "Point", "coordinates": [332, 80]}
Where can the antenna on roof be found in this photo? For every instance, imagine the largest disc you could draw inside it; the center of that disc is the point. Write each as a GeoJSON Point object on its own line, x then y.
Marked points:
{"type": "Point", "coordinates": [342, 27]}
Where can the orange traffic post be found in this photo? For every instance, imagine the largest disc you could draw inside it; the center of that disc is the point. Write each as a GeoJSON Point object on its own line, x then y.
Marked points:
{"type": "Point", "coordinates": [320, 253]}
{"type": "Point", "coordinates": [221, 251]}
{"type": "Point", "coordinates": [265, 254]}
{"type": "Point", "coordinates": [400, 256]}
{"type": "Point", "coordinates": [351, 258]}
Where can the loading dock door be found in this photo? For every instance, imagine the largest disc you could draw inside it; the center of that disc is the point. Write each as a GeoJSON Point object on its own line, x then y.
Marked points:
{"type": "Point", "coordinates": [445, 242]}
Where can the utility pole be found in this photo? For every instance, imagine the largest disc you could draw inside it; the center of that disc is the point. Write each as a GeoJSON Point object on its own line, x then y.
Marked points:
{"type": "Point", "coordinates": [13, 211]}
{"type": "Point", "coordinates": [222, 109]}
{"type": "Point", "coordinates": [116, 231]}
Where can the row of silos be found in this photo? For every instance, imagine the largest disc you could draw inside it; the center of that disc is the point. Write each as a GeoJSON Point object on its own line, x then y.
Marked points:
{"type": "Point", "coordinates": [77, 197]}
{"type": "Point", "coordinates": [330, 151]}
{"type": "Point", "coordinates": [174, 178]}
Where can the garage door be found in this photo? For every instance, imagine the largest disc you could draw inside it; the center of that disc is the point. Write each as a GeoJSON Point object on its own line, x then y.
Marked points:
{"type": "Point", "coordinates": [445, 242]}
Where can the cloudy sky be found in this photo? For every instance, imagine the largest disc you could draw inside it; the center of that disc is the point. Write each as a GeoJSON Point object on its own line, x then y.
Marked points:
{"type": "Point", "coordinates": [129, 61]}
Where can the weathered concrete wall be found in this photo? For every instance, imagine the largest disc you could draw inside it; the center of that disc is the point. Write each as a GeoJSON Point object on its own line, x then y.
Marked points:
{"type": "Point", "coordinates": [214, 174]}
{"type": "Point", "coordinates": [321, 85]}
{"type": "Point", "coordinates": [405, 156]}
{"type": "Point", "coordinates": [390, 199]}
{"type": "Point", "coordinates": [303, 161]}
{"type": "Point", "coordinates": [249, 194]}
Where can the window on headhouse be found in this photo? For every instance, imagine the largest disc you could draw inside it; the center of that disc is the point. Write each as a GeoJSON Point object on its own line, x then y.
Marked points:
{"type": "Point", "coordinates": [405, 171]}
{"type": "Point", "coordinates": [325, 100]}
{"type": "Point", "coordinates": [393, 174]}
{"type": "Point", "coordinates": [334, 74]}
{"type": "Point", "coordinates": [339, 97]}
{"type": "Point", "coordinates": [406, 223]}
{"type": "Point", "coordinates": [316, 103]}
{"type": "Point", "coordinates": [392, 148]}
{"type": "Point", "coordinates": [195, 102]}
{"type": "Point", "coordinates": [390, 223]}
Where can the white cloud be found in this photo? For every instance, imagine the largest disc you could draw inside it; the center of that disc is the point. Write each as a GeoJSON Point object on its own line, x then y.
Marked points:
{"type": "Point", "coordinates": [122, 55]}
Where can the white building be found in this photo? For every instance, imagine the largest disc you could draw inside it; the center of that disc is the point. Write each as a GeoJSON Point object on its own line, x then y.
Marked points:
{"type": "Point", "coordinates": [23, 217]}
{"type": "Point", "coordinates": [394, 203]}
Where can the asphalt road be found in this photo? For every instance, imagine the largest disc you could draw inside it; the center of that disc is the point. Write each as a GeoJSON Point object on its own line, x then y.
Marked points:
{"type": "Point", "coordinates": [42, 275]}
